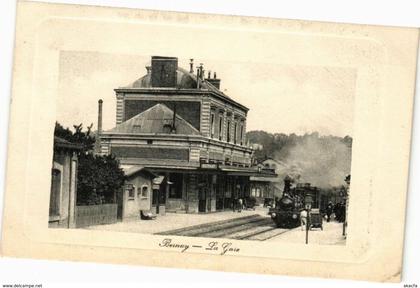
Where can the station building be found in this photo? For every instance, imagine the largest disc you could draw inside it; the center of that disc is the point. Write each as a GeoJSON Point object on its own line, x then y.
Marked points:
{"type": "Point", "coordinates": [188, 135]}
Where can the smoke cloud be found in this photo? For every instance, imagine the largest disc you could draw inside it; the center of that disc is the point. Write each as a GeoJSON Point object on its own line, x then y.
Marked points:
{"type": "Point", "coordinates": [324, 162]}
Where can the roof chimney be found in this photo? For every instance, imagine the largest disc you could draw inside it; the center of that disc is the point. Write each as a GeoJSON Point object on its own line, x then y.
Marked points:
{"type": "Point", "coordinates": [209, 75]}
{"type": "Point", "coordinates": [214, 81]}
{"type": "Point", "coordinates": [198, 77]}
{"type": "Point", "coordinates": [191, 65]}
{"type": "Point", "coordinates": [100, 116]}
{"type": "Point", "coordinates": [164, 71]}
{"type": "Point", "coordinates": [200, 74]}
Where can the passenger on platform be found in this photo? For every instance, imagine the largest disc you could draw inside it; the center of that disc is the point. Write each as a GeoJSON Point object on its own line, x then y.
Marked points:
{"type": "Point", "coordinates": [303, 219]}
{"type": "Point", "coordinates": [337, 212]}
{"type": "Point", "coordinates": [329, 211]}
{"type": "Point", "coordinates": [342, 212]}
{"type": "Point", "coordinates": [240, 205]}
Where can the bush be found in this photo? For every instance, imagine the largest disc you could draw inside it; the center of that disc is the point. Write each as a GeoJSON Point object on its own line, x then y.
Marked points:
{"type": "Point", "coordinates": [99, 178]}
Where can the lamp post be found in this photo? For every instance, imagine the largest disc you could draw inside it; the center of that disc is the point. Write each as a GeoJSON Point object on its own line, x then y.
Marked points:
{"type": "Point", "coordinates": [346, 202]}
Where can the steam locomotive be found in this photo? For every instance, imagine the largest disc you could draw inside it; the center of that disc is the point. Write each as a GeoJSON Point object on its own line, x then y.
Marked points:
{"type": "Point", "coordinates": [286, 213]}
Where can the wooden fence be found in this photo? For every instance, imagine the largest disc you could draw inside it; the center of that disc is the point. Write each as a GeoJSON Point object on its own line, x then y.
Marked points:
{"type": "Point", "coordinates": [96, 214]}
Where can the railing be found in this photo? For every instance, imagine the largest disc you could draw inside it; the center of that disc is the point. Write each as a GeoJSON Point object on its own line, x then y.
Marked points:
{"type": "Point", "coordinates": [95, 214]}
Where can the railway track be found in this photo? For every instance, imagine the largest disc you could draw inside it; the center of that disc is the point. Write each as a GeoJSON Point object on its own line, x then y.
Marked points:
{"type": "Point", "coordinates": [253, 227]}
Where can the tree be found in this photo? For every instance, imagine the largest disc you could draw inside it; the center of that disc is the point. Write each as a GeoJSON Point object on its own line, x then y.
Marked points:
{"type": "Point", "coordinates": [99, 178]}
{"type": "Point", "coordinates": [86, 139]}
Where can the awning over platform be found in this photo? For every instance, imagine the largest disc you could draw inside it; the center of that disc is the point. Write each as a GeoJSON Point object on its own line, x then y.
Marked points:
{"type": "Point", "coordinates": [209, 168]}
{"type": "Point", "coordinates": [264, 179]}
{"type": "Point", "coordinates": [246, 171]}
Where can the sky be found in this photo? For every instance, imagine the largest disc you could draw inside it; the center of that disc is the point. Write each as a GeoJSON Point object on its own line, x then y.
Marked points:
{"type": "Point", "coordinates": [282, 98]}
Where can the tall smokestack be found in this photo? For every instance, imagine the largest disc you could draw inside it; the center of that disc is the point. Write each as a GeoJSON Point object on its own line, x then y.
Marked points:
{"type": "Point", "coordinates": [287, 184]}
{"type": "Point", "coordinates": [100, 116]}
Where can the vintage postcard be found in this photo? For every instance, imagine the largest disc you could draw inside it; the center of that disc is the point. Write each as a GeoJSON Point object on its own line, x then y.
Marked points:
{"type": "Point", "coordinates": [208, 141]}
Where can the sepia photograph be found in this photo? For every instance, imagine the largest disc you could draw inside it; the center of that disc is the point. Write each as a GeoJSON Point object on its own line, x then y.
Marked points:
{"type": "Point", "coordinates": [193, 148]}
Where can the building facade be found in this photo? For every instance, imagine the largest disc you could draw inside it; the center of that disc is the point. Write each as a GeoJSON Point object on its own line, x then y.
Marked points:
{"type": "Point", "coordinates": [177, 124]}
{"type": "Point", "coordinates": [63, 191]}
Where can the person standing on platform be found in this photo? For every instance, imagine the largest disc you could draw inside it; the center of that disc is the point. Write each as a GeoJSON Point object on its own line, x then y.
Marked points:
{"type": "Point", "coordinates": [303, 219]}
{"type": "Point", "coordinates": [329, 211]}
{"type": "Point", "coordinates": [240, 205]}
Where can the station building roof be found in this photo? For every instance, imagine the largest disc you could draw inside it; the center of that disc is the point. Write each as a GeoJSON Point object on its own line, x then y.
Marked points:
{"type": "Point", "coordinates": [158, 120]}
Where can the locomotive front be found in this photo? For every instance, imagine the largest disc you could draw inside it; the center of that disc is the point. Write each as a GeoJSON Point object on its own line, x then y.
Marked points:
{"type": "Point", "coordinates": [286, 213]}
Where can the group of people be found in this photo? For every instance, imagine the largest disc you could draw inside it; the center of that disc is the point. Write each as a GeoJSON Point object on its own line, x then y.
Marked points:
{"type": "Point", "coordinates": [239, 204]}
{"type": "Point", "coordinates": [339, 211]}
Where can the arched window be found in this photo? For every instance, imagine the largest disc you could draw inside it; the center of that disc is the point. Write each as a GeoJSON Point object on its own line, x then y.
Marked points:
{"type": "Point", "coordinates": [144, 191]}
{"type": "Point", "coordinates": [253, 192]}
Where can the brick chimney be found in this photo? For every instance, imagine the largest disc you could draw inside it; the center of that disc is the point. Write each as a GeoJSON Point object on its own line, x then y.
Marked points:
{"type": "Point", "coordinates": [214, 81]}
{"type": "Point", "coordinates": [164, 71]}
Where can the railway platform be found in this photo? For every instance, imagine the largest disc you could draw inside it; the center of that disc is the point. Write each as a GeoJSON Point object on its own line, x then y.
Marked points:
{"type": "Point", "coordinates": [332, 234]}
{"type": "Point", "coordinates": [173, 221]}
{"type": "Point", "coordinates": [247, 225]}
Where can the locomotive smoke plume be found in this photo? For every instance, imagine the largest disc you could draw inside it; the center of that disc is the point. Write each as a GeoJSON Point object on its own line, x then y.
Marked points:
{"type": "Point", "coordinates": [320, 161]}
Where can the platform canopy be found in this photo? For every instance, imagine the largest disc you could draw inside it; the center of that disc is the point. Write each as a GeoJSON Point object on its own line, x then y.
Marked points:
{"type": "Point", "coordinates": [247, 171]}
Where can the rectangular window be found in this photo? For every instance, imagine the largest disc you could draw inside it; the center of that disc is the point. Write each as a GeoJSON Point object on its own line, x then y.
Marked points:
{"type": "Point", "coordinates": [129, 188]}
{"type": "Point", "coordinates": [55, 192]}
{"type": "Point", "coordinates": [220, 127]}
{"type": "Point", "coordinates": [212, 125]}
{"type": "Point", "coordinates": [175, 188]}
{"type": "Point", "coordinates": [228, 131]}
{"type": "Point", "coordinates": [241, 134]}
{"type": "Point", "coordinates": [235, 127]}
